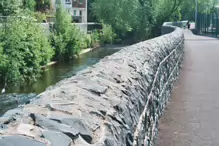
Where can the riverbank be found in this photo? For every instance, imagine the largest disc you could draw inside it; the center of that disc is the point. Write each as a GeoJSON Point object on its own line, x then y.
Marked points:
{"type": "Point", "coordinates": [20, 94]}
{"type": "Point", "coordinates": [92, 106]}
{"type": "Point", "coordinates": [49, 64]}
{"type": "Point", "coordinates": [55, 62]}
{"type": "Point", "coordinates": [61, 70]}
{"type": "Point", "coordinates": [84, 51]}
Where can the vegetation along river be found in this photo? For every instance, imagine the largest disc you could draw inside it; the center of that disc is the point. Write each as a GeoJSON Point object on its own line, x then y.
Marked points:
{"type": "Point", "coordinates": [16, 95]}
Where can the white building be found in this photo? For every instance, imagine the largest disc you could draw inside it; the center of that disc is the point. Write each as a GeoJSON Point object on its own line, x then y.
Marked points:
{"type": "Point", "coordinates": [77, 9]}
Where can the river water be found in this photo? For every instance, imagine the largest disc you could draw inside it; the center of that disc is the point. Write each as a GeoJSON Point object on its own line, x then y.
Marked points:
{"type": "Point", "coordinates": [16, 95]}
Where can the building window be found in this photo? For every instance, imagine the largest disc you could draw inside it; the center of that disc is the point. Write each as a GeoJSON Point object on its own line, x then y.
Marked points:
{"type": "Point", "coordinates": [75, 12]}
{"type": "Point", "coordinates": [80, 12]}
{"type": "Point", "coordinates": [57, 2]}
{"type": "Point", "coordinates": [81, 1]}
{"type": "Point", "coordinates": [67, 1]}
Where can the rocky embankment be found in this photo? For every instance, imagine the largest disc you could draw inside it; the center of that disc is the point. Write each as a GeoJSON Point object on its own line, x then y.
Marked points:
{"type": "Point", "coordinates": [114, 103]}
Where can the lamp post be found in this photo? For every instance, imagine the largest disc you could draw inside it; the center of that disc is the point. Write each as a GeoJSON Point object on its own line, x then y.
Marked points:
{"type": "Point", "coordinates": [196, 14]}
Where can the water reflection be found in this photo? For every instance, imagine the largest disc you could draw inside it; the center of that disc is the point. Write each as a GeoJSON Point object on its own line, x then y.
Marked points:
{"type": "Point", "coordinates": [10, 101]}
{"type": "Point", "coordinates": [62, 70]}
{"type": "Point", "coordinates": [54, 74]}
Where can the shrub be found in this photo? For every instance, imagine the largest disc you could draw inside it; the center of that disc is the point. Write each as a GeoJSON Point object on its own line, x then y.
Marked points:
{"type": "Point", "coordinates": [95, 39]}
{"type": "Point", "coordinates": [40, 16]}
{"type": "Point", "coordinates": [29, 4]}
{"type": "Point", "coordinates": [43, 5]}
{"type": "Point", "coordinates": [107, 36]}
{"type": "Point", "coordinates": [10, 7]}
{"type": "Point", "coordinates": [25, 49]}
{"type": "Point", "coordinates": [88, 40]}
{"type": "Point", "coordinates": [3, 65]}
{"type": "Point", "coordinates": [67, 38]}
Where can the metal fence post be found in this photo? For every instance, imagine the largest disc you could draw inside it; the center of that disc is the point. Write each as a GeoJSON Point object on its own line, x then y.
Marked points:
{"type": "Point", "coordinates": [196, 13]}
{"type": "Point", "coordinates": [217, 27]}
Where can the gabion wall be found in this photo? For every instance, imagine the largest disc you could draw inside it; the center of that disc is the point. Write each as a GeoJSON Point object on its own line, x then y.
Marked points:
{"type": "Point", "coordinates": [116, 102]}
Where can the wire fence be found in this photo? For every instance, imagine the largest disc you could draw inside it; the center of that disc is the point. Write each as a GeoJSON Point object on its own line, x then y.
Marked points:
{"type": "Point", "coordinates": [208, 24]}
{"type": "Point", "coordinates": [166, 75]}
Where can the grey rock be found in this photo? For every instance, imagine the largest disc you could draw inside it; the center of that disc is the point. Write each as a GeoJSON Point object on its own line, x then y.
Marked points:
{"type": "Point", "coordinates": [5, 143]}
{"type": "Point", "coordinates": [93, 87]}
{"type": "Point", "coordinates": [81, 127]}
{"type": "Point", "coordinates": [13, 112]}
{"type": "Point", "coordinates": [70, 126]}
{"type": "Point", "coordinates": [109, 141]}
{"type": "Point", "coordinates": [19, 141]}
{"type": "Point", "coordinates": [12, 116]}
{"type": "Point", "coordinates": [80, 142]}
{"type": "Point", "coordinates": [102, 105]}
{"type": "Point", "coordinates": [45, 123]}
{"type": "Point", "coordinates": [3, 127]}
{"type": "Point", "coordinates": [57, 138]}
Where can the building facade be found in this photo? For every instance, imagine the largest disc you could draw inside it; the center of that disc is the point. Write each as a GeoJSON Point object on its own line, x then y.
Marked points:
{"type": "Point", "coordinates": [76, 8]}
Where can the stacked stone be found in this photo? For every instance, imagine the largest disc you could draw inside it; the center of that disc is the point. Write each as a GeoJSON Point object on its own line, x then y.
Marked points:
{"type": "Point", "coordinates": [116, 102]}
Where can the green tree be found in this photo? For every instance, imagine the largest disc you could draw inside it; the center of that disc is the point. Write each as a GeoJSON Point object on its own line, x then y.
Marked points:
{"type": "Point", "coordinates": [42, 5]}
{"type": "Point", "coordinates": [10, 7]}
{"type": "Point", "coordinates": [13, 7]}
{"type": "Point", "coordinates": [188, 8]}
{"type": "Point", "coordinates": [137, 18]}
{"type": "Point", "coordinates": [29, 4]}
{"type": "Point", "coordinates": [143, 19]}
{"type": "Point", "coordinates": [90, 17]}
{"type": "Point", "coordinates": [63, 20]}
{"type": "Point", "coordinates": [107, 36]}
{"type": "Point", "coordinates": [67, 38]}
{"type": "Point", "coordinates": [117, 13]}
{"type": "Point", "coordinates": [3, 65]}
{"type": "Point", "coordinates": [24, 49]}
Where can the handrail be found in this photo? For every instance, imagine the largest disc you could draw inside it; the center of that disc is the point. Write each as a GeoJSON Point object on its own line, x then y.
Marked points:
{"type": "Point", "coordinates": [150, 97]}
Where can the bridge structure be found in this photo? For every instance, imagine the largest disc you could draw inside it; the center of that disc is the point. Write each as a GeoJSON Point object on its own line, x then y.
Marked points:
{"type": "Point", "coordinates": [191, 116]}
{"type": "Point", "coordinates": [120, 100]}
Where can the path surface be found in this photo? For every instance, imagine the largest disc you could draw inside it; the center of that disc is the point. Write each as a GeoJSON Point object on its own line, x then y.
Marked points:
{"type": "Point", "coordinates": [192, 116]}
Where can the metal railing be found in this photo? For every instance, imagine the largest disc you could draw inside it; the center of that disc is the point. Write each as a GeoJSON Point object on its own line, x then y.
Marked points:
{"type": "Point", "coordinates": [208, 24]}
{"type": "Point", "coordinates": [84, 27]}
{"type": "Point", "coordinates": [168, 69]}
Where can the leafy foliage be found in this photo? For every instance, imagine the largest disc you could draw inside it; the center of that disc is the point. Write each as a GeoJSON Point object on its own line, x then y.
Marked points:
{"type": "Point", "coordinates": [107, 36]}
{"type": "Point", "coordinates": [42, 5]}
{"type": "Point", "coordinates": [40, 16]}
{"type": "Point", "coordinates": [23, 51]}
{"type": "Point", "coordinates": [95, 39]}
{"type": "Point", "coordinates": [204, 6]}
{"type": "Point", "coordinates": [29, 4]}
{"type": "Point", "coordinates": [125, 16]}
{"type": "Point", "coordinates": [3, 65]}
{"type": "Point", "coordinates": [117, 13]}
{"type": "Point", "coordinates": [67, 38]}
{"type": "Point", "coordinates": [143, 18]}
{"type": "Point", "coordinates": [10, 7]}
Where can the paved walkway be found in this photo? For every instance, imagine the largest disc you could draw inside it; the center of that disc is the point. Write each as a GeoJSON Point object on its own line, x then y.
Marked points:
{"type": "Point", "coordinates": [192, 116]}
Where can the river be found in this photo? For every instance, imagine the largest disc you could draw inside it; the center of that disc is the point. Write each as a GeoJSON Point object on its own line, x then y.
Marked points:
{"type": "Point", "coordinates": [16, 95]}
